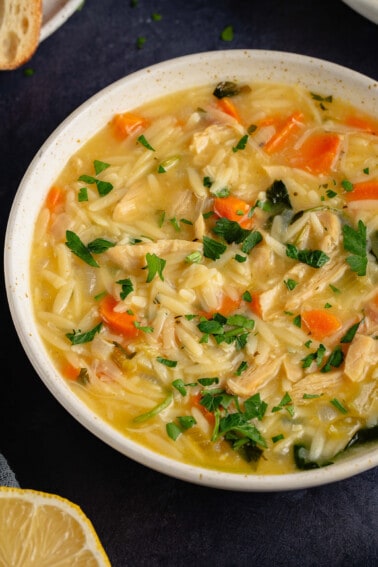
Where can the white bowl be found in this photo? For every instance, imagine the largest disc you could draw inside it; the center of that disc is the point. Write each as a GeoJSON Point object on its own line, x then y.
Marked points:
{"type": "Point", "coordinates": [125, 94]}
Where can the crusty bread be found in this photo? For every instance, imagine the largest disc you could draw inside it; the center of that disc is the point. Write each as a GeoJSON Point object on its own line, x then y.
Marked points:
{"type": "Point", "coordinates": [20, 26]}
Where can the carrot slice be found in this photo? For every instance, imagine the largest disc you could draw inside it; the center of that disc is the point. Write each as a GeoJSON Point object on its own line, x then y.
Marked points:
{"type": "Point", "coordinates": [70, 372]}
{"type": "Point", "coordinates": [284, 133]}
{"type": "Point", "coordinates": [366, 190]}
{"type": "Point", "coordinates": [362, 123]}
{"type": "Point", "coordinates": [321, 323]}
{"type": "Point", "coordinates": [255, 304]}
{"type": "Point", "coordinates": [127, 123]}
{"type": "Point", "coordinates": [228, 107]}
{"type": "Point", "coordinates": [228, 306]}
{"type": "Point", "coordinates": [55, 198]}
{"type": "Point", "coordinates": [120, 322]}
{"type": "Point", "coordinates": [317, 153]}
{"type": "Point", "coordinates": [234, 209]}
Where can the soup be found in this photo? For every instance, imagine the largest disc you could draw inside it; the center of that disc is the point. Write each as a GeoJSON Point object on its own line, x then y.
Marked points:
{"type": "Point", "coordinates": [204, 276]}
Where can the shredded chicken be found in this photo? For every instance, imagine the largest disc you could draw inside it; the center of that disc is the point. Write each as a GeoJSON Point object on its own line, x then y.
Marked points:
{"type": "Point", "coordinates": [254, 378]}
{"type": "Point", "coordinates": [317, 383]}
{"type": "Point", "coordinates": [362, 353]}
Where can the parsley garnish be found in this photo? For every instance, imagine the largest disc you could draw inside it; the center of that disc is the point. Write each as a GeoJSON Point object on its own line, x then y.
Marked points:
{"type": "Point", "coordinates": [349, 335]}
{"type": "Point", "coordinates": [142, 140]}
{"type": "Point", "coordinates": [290, 284]}
{"type": "Point", "coordinates": [167, 362]}
{"type": "Point", "coordinates": [173, 430]}
{"type": "Point", "coordinates": [287, 403]}
{"type": "Point", "coordinates": [241, 145]}
{"type": "Point", "coordinates": [82, 195]}
{"type": "Point", "coordinates": [78, 248]}
{"type": "Point", "coordinates": [155, 265]}
{"type": "Point", "coordinates": [103, 187]}
{"type": "Point", "coordinates": [154, 411]}
{"type": "Point", "coordinates": [255, 407]}
{"type": "Point", "coordinates": [127, 287]}
{"type": "Point", "coordinates": [313, 258]}
{"type": "Point", "coordinates": [100, 166]}
{"type": "Point", "coordinates": [180, 386]}
{"type": "Point", "coordinates": [335, 360]}
{"type": "Point", "coordinates": [278, 197]}
{"type": "Point", "coordinates": [355, 241]}
{"type": "Point", "coordinates": [78, 338]}
{"type": "Point", "coordinates": [99, 245]}
{"type": "Point", "coordinates": [213, 249]}
{"type": "Point", "coordinates": [338, 405]}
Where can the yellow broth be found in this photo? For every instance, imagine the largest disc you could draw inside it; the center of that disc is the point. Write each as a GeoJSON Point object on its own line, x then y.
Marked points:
{"type": "Point", "coordinates": [244, 315]}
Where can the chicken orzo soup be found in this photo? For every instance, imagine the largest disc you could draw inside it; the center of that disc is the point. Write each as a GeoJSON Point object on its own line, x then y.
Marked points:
{"type": "Point", "coordinates": [205, 276]}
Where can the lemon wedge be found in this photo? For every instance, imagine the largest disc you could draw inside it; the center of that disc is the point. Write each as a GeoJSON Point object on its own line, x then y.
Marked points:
{"type": "Point", "coordinates": [44, 530]}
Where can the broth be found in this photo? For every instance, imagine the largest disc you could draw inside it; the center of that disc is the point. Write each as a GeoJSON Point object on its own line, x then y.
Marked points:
{"type": "Point", "coordinates": [204, 276]}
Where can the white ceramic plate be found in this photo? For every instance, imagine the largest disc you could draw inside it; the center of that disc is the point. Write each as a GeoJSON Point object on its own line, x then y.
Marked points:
{"type": "Point", "coordinates": [367, 8]}
{"type": "Point", "coordinates": [55, 13]}
{"type": "Point", "coordinates": [126, 94]}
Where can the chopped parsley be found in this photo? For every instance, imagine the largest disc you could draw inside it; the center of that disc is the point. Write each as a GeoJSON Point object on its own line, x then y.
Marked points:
{"type": "Point", "coordinates": [127, 287]}
{"type": "Point", "coordinates": [290, 284]}
{"type": "Point", "coordinates": [285, 403]}
{"type": "Point", "coordinates": [241, 145]}
{"type": "Point", "coordinates": [99, 245]}
{"type": "Point", "coordinates": [78, 248]}
{"type": "Point", "coordinates": [167, 362]}
{"type": "Point", "coordinates": [313, 258]}
{"type": "Point", "coordinates": [155, 265]}
{"type": "Point", "coordinates": [355, 241]}
{"type": "Point", "coordinates": [82, 195]}
{"type": "Point", "coordinates": [350, 334]}
{"type": "Point", "coordinates": [78, 338]}
{"type": "Point", "coordinates": [143, 141]}
{"type": "Point", "coordinates": [339, 406]}
{"type": "Point", "coordinates": [226, 89]}
{"type": "Point", "coordinates": [213, 249]}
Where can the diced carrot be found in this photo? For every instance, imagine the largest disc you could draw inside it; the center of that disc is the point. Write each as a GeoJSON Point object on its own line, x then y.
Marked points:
{"type": "Point", "coordinates": [255, 304]}
{"type": "Point", "coordinates": [227, 307]}
{"type": "Point", "coordinates": [365, 190]}
{"type": "Point", "coordinates": [228, 107]}
{"type": "Point", "coordinates": [196, 402]}
{"type": "Point", "coordinates": [317, 153]}
{"type": "Point", "coordinates": [320, 323]}
{"type": "Point", "coordinates": [362, 123]}
{"type": "Point", "coordinates": [55, 198]}
{"type": "Point", "coordinates": [284, 133]}
{"type": "Point", "coordinates": [69, 371]}
{"type": "Point", "coordinates": [120, 322]}
{"type": "Point", "coordinates": [127, 123]}
{"type": "Point", "coordinates": [234, 209]}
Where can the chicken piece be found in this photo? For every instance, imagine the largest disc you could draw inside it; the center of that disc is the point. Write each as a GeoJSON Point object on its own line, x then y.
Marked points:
{"type": "Point", "coordinates": [254, 378]}
{"type": "Point", "coordinates": [362, 353]}
{"type": "Point", "coordinates": [213, 136]}
{"type": "Point", "coordinates": [315, 281]}
{"type": "Point", "coordinates": [131, 257]}
{"type": "Point", "coordinates": [317, 383]}
{"type": "Point", "coordinates": [317, 230]}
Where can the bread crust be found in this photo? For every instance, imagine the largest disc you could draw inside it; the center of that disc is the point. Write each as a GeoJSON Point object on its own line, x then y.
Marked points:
{"type": "Point", "coordinates": [20, 28]}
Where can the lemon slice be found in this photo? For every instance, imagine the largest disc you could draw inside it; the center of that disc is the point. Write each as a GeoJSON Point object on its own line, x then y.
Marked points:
{"type": "Point", "coordinates": [45, 530]}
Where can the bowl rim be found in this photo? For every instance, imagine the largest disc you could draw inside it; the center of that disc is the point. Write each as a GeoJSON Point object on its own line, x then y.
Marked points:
{"type": "Point", "coordinates": [63, 141]}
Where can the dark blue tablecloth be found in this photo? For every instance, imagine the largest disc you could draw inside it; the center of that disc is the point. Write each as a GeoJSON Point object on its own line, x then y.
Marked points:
{"type": "Point", "coordinates": [142, 517]}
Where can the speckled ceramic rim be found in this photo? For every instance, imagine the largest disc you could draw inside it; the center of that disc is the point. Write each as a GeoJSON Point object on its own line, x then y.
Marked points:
{"type": "Point", "coordinates": [125, 94]}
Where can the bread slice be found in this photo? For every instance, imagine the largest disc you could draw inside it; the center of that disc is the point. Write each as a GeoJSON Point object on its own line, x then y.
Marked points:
{"type": "Point", "coordinates": [20, 26]}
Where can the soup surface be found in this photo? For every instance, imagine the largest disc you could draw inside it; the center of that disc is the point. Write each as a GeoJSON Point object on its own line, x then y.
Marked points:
{"type": "Point", "coordinates": [204, 275]}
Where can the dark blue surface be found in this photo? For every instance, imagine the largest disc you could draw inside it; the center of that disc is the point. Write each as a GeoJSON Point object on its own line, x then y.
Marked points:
{"type": "Point", "coordinates": [142, 517]}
